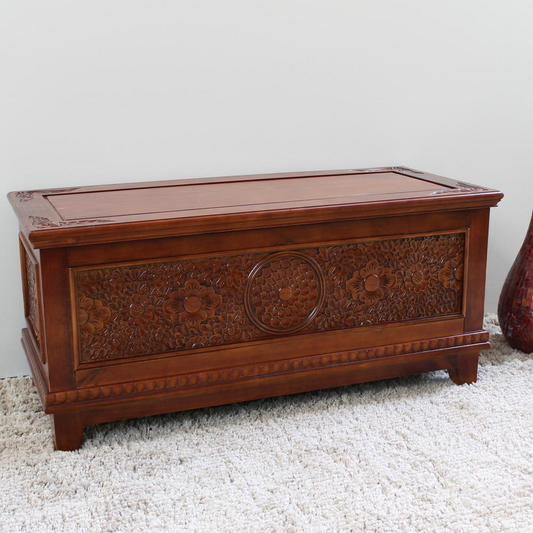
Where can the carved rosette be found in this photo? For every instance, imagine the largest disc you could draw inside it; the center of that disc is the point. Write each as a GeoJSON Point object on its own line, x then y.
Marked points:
{"type": "Point", "coordinates": [192, 304]}
{"type": "Point", "coordinates": [92, 315]}
{"type": "Point", "coordinates": [371, 283]}
{"type": "Point", "coordinates": [452, 274]}
{"type": "Point", "coordinates": [188, 304]}
{"type": "Point", "coordinates": [285, 292]}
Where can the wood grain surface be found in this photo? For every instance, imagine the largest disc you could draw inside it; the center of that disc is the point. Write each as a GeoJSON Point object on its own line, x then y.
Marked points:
{"type": "Point", "coordinates": [91, 215]}
{"type": "Point", "coordinates": [157, 297]}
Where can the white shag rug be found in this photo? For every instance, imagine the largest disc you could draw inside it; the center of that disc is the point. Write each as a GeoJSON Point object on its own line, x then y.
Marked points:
{"type": "Point", "coordinates": [413, 454]}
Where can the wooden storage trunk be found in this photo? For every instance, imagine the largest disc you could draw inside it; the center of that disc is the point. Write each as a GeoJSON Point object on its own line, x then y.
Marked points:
{"type": "Point", "coordinates": [157, 297]}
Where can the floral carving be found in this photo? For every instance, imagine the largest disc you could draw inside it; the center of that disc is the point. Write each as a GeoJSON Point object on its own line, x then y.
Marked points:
{"type": "Point", "coordinates": [236, 269]}
{"type": "Point", "coordinates": [233, 325]}
{"type": "Point", "coordinates": [284, 292]}
{"type": "Point", "coordinates": [452, 274]}
{"type": "Point", "coordinates": [26, 196]}
{"type": "Point", "coordinates": [32, 298]}
{"type": "Point", "coordinates": [417, 277]}
{"type": "Point", "coordinates": [338, 313]}
{"type": "Point", "coordinates": [192, 304]}
{"type": "Point", "coordinates": [337, 260]}
{"type": "Point", "coordinates": [371, 283]}
{"type": "Point", "coordinates": [460, 187]}
{"type": "Point", "coordinates": [140, 310]}
{"type": "Point", "coordinates": [92, 315]}
{"type": "Point", "coordinates": [44, 222]}
{"type": "Point", "coordinates": [414, 263]}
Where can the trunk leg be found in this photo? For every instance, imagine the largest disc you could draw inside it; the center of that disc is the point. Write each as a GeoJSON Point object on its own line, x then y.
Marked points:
{"type": "Point", "coordinates": [68, 431]}
{"type": "Point", "coordinates": [465, 371]}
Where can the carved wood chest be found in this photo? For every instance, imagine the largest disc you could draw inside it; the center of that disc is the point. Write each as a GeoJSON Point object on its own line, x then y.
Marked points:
{"type": "Point", "coordinates": [157, 297]}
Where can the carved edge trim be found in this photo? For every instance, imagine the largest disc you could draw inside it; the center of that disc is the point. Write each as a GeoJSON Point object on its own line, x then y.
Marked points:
{"type": "Point", "coordinates": [460, 186]}
{"type": "Point", "coordinates": [286, 366]}
{"type": "Point", "coordinates": [388, 169]}
{"type": "Point", "coordinates": [44, 222]}
{"type": "Point", "coordinates": [463, 187]}
{"type": "Point", "coordinates": [26, 196]}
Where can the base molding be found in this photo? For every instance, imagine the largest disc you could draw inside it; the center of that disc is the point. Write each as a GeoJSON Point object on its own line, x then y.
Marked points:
{"type": "Point", "coordinates": [233, 375]}
{"type": "Point", "coordinates": [74, 409]}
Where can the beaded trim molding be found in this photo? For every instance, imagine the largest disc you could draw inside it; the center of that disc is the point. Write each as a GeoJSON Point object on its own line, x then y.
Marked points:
{"type": "Point", "coordinates": [227, 375]}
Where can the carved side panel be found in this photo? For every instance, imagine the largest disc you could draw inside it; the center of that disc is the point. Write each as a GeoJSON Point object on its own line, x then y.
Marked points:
{"type": "Point", "coordinates": [31, 280]}
{"type": "Point", "coordinates": [154, 308]}
{"type": "Point", "coordinates": [31, 293]}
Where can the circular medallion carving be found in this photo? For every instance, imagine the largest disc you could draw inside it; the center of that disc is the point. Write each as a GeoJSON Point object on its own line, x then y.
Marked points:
{"type": "Point", "coordinates": [284, 292]}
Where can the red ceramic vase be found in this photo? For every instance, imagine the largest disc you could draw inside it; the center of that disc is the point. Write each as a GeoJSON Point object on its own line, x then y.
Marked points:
{"type": "Point", "coordinates": [515, 309]}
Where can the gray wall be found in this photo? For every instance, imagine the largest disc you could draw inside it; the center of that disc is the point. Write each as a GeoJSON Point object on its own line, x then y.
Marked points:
{"type": "Point", "coordinates": [112, 91]}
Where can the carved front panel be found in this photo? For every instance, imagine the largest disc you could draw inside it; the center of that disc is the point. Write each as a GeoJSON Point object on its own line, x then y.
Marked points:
{"type": "Point", "coordinates": [154, 308]}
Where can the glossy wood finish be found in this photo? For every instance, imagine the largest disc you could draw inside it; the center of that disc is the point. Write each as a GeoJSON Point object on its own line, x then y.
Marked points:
{"type": "Point", "coordinates": [68, 431]}
{"type": "Point", "coordinates": [232, 197]}
{"type": "Point", "coordinates": [276, 284]}
{"type": "Point", "coordinates": [140, 309]}
{"type": "Point", "coordinates": [46, 228]}
{"type": "Point", "coordinates": [515, 307]}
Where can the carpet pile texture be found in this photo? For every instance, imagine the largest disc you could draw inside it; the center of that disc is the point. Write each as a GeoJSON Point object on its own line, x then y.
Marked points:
{"type": "Point", "coordinates": [413, 454]}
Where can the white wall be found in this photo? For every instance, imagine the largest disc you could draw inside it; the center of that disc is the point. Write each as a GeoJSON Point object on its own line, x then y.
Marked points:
{"type": "Point", "coordinates": [108, 91]}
